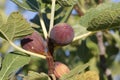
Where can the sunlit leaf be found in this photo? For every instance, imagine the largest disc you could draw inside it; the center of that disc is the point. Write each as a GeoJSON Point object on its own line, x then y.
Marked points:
{"type": "Point", "coordinates": [1, 20]}
{"type": "Point", "coordinates": [106, 20]}
{"type": "Point", "coordinates": [12, 62]}
{"type": "Point", "coordinates": [67, 3]}
{"type": "Point", "coordinates": [15, 27]}
{"type": "Point", "coordinates": [79, 30]}
{"type": "Point", "coordinates": [104, 16]}
{"type": "Point", "coordinates": [0, 61]}
{"type": "Point", "coordinates": [89, 75]}
{"type": "Point", "coordinates": [115, 68]}
{"type": "Point", "coordinates": [36, 76]}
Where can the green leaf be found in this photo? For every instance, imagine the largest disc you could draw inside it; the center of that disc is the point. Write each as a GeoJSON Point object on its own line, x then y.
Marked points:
{"type": "Point", "coordinates": [1, 20]}
{"type": "Point", "coordinates": [104, 16]}
{"type": "Point", "coordinates": [93, 47]}
{"type": "Point", "coordinates": [106, 20]}
{"type": "Point", "coordinates": [67, 3]}
{"type": "Point", "coordinates": [31, 5]}
{"type": "Point", "coordinates": [44, 5]}
{"type": "Point", "coordinates": [79, 30]}
{"type": "Point", "coordinates": [91, 75]}
{"type": "Point", "coordinates": [75, 71]}
{"type": "Point", "coordinates": [12, 62]}
{"type": "Point", "coordinates": [36, 76]}
{"type": "Point", "coordinates": [0, 61]}
{"type": "Point", "coordinates": [15, 27]}
{"type": "Point", "coordinates": [63, 14]}
{"type": "Point", "coordinates": [115, 68]}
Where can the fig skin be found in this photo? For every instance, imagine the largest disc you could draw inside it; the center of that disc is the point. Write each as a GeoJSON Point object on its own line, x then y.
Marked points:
{"type": "Point", "coordinates": [62, 34]}
{"type": "Point", "coordinates": [60, 69]}
{"type": "Point", "coordinates": [34, 43]}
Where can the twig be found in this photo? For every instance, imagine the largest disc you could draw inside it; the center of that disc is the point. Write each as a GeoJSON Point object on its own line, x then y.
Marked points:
{"type": "Point", "coordinates": [52, 15]}
{"type": "Point", "coordinates": [103, 65]}
{"type": "Point", "coordinates": [100, 1]}
{"type": "Point", "coordinates": [80, 13]}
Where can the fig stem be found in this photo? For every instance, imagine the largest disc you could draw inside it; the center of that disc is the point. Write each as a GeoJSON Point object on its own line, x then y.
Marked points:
{"type": "Point", "coordinates": [84, 35]}
{"type": "Point", "coordinates": [52, 15]}
{"type": "Point", "coordinates": [25, 51]}
{"type": "Point", "coordinates": [50, 61]}
{"type": "Point", "coordinates": [50, 58]}
{"type": "Point", "coordinates": [43, 26]}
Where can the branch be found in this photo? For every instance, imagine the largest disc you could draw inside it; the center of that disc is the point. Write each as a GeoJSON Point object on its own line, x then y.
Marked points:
{"type": "Point", "coordinates": [100, 1]}
{"type": "Point", "coordinates": [80, 13]}
{"type": "Point", "coordinates": [103, 65]}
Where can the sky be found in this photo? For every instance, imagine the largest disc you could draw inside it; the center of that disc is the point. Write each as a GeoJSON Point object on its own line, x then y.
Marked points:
{"type": "Point", "coordinates": [116, 0]}
{"type": "Point", "coordinates": [11, 7]}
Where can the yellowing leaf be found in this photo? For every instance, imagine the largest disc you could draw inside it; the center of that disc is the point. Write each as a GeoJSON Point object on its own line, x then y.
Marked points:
{"type": "Point", "coordinates": [1, 20]}
{"type": "Point", "coordinates": [74, 72]}
{"type": "Point", "coordinates": [91, 75]}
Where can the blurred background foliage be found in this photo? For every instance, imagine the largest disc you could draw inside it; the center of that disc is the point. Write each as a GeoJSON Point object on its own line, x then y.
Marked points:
{"type": "Point", "coordinates": [80, 51]}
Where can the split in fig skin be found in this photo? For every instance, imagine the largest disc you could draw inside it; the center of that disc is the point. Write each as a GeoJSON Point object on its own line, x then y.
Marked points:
{"type": "Point", "coordinates": [34, 43]}
{"type": "Point", "coordinates": [62, 34]}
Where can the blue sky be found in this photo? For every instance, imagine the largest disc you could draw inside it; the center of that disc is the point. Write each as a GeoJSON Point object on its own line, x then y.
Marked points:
{"type": "Point", "coordinates": [116, 0]}
{"type": "Point", "coordinates": [11, 7]}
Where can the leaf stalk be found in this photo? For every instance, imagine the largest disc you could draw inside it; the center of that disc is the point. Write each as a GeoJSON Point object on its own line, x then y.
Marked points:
{"type": "Point", "coordinates": [28, 52]}
{"type": "Point", "coordinates": [82, 36]}
{"type": "Point", "coordinates": [52, 15]}
{"type": "Point", "coordinates": [43, 26]}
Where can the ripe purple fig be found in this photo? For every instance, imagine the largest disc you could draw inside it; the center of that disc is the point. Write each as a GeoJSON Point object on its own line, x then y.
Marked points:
{"type": "Point", "coordinates": [34, 43]}
{"type": "Point", "coordinates": [60, 69]}
{"type": "Point", "coordinates": [62, 34]}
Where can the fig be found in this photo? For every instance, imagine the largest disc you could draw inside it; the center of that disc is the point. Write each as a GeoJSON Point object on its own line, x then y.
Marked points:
{"type": "Point", "coordinates": [62, 34]}
{"type": "Point", "coordinates": [60, 69]}
{"type": "Point", "coordinates": [34, 43]}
